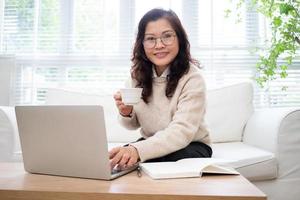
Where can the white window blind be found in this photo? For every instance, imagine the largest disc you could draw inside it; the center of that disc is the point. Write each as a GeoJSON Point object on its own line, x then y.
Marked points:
{"type": "Point", "coordinates": [86, 45]}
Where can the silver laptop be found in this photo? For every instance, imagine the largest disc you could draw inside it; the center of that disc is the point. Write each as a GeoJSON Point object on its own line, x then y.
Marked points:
{"type": "Point", "coordinates": [65, 141]}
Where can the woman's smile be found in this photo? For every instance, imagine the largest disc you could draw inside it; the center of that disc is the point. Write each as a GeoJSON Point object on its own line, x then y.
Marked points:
{"type": "Point", "coordinates": [161, 55]}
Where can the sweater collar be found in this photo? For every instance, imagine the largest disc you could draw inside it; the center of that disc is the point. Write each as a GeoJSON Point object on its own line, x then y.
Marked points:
{"type": "Point", "coordinates": [163, 75]}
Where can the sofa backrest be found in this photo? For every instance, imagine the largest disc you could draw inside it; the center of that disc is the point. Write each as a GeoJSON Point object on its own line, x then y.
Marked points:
{"type": "Point", "coordinates": [228, 110]}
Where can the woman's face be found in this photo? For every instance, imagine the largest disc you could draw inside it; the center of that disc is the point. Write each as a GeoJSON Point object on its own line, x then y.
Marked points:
{"type": "Point", "coordinates": [160, 43]}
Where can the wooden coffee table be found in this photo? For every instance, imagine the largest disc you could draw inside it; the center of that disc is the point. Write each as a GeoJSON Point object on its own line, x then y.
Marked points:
{"type": "Point", "coordinates": [15, 183]}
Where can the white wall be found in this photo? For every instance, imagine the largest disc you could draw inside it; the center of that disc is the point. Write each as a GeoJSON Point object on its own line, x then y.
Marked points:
{"type": "Point", "coordinates": [7, 66]}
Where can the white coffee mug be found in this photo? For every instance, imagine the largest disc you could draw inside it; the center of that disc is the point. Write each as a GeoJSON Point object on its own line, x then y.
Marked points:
{"type": "Point", "coordinates": [131, 96]}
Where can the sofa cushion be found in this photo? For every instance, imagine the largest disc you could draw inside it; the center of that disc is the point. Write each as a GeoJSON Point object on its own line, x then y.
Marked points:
{"type": "Point", "coordinates": [228, 110]}
{"type": "Point", "coordinates": [250, 161]}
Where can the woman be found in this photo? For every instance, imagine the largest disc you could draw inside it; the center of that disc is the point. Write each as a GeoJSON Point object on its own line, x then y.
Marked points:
{"type": "Point", "coordinates": [171, 113]}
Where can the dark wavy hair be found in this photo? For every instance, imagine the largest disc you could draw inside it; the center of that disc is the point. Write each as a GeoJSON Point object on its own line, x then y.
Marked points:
{"type": "Point", "coordinates": [141, 69]}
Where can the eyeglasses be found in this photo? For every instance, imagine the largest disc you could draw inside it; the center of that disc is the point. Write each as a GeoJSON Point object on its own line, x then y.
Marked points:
{"type": "Point", "coordinates": [166, 38]}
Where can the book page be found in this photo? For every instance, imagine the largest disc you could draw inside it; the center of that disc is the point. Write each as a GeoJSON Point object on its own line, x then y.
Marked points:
{"type": "Point", "coordinates": [210, 165]}
{"type": "Point", "coordinates": [161, 170]}
{"type": "Point", "coordinates": [189, 167]}
{"type": "Point", "coordinates": [199, 163]}
{"type": "Point", "coordinates": [218, 169]}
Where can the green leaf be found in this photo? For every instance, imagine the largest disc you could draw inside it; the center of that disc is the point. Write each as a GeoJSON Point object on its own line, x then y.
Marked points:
{"type": "Point", "coordinates": [277, 21]}
{"type": "Point", "coordinates": [283, 67]}
{"type": "Point", "coordinates": [227, 12]}
{"type": "Point", "coordinates": [289, 60]}
{"type": "Point", "coordinates": [284, 88]}
{"type": "Point", "coordinates": [283, 74]}
{"type": "Point", "coordinates": [285, 8]}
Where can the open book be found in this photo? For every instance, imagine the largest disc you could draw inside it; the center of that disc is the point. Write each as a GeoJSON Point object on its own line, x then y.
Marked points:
{"type": "Point", "coordinates": [189, 167]}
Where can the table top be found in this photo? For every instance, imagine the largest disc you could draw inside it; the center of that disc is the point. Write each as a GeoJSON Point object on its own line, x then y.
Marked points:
{"type": "Point", "coordinates": [15, 183]}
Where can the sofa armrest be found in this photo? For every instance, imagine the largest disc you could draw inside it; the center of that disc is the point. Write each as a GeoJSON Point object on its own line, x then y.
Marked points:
{"type": "Point", "coordinates": [277, 130]}
{"type": "Point", "coordinates": [267, 128]}
{"type": "Point", "coordinates": [9, 137]}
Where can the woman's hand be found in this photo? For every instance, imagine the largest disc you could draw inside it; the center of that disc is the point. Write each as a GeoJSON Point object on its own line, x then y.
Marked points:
{"type": "Point", "coordinates": [124, 110]}
{"type": "Point", "coordinates": [123, 157]}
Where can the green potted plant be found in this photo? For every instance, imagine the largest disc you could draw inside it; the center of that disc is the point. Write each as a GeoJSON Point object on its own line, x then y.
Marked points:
{"type": "Point", "coordinates": [284, 18]}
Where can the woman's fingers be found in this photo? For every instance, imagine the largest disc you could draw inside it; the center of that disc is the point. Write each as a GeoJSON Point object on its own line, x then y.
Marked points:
{"type": "Point", "coordinates": [131, 161]}
{"type": "Point", "coordinates": [115, 160]}
{"type": "Point", "coordinates": [119, 104]}
{"type": "Point", "coordinates": [124, 160]}
{"type": "Point", "coordinates": [123, 157]}
{"type": "Point", "coordinates": [117, 96]}
{"type": "Point", "coordinates": [123, 109]}
{"type": "Point", "coordinates": [113, 152]}
{"type": "Point", "coordinates": [118, 101]}
{"type": "Point", "coordinates": [114, 156]}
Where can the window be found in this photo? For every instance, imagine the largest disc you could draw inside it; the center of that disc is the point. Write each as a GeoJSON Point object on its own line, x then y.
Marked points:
{"type": "Point", "coordinates": [86, 45]}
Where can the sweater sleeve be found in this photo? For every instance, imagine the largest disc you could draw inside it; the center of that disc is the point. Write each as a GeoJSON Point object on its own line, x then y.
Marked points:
{"type": "Point", "coordinates": [130, 123]}
{"type": "Point", "coordinates": [186, 121]}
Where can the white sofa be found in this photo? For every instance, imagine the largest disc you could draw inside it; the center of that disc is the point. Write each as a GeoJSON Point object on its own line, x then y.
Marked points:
{"type": "Point", "coordinates": [9, 137]}
{"type": "Point", "coordinates": [263, 143]}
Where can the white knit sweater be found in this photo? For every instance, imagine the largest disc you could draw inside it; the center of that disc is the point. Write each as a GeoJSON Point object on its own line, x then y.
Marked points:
{"type": "Point", "coordinates": [170, 124]}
